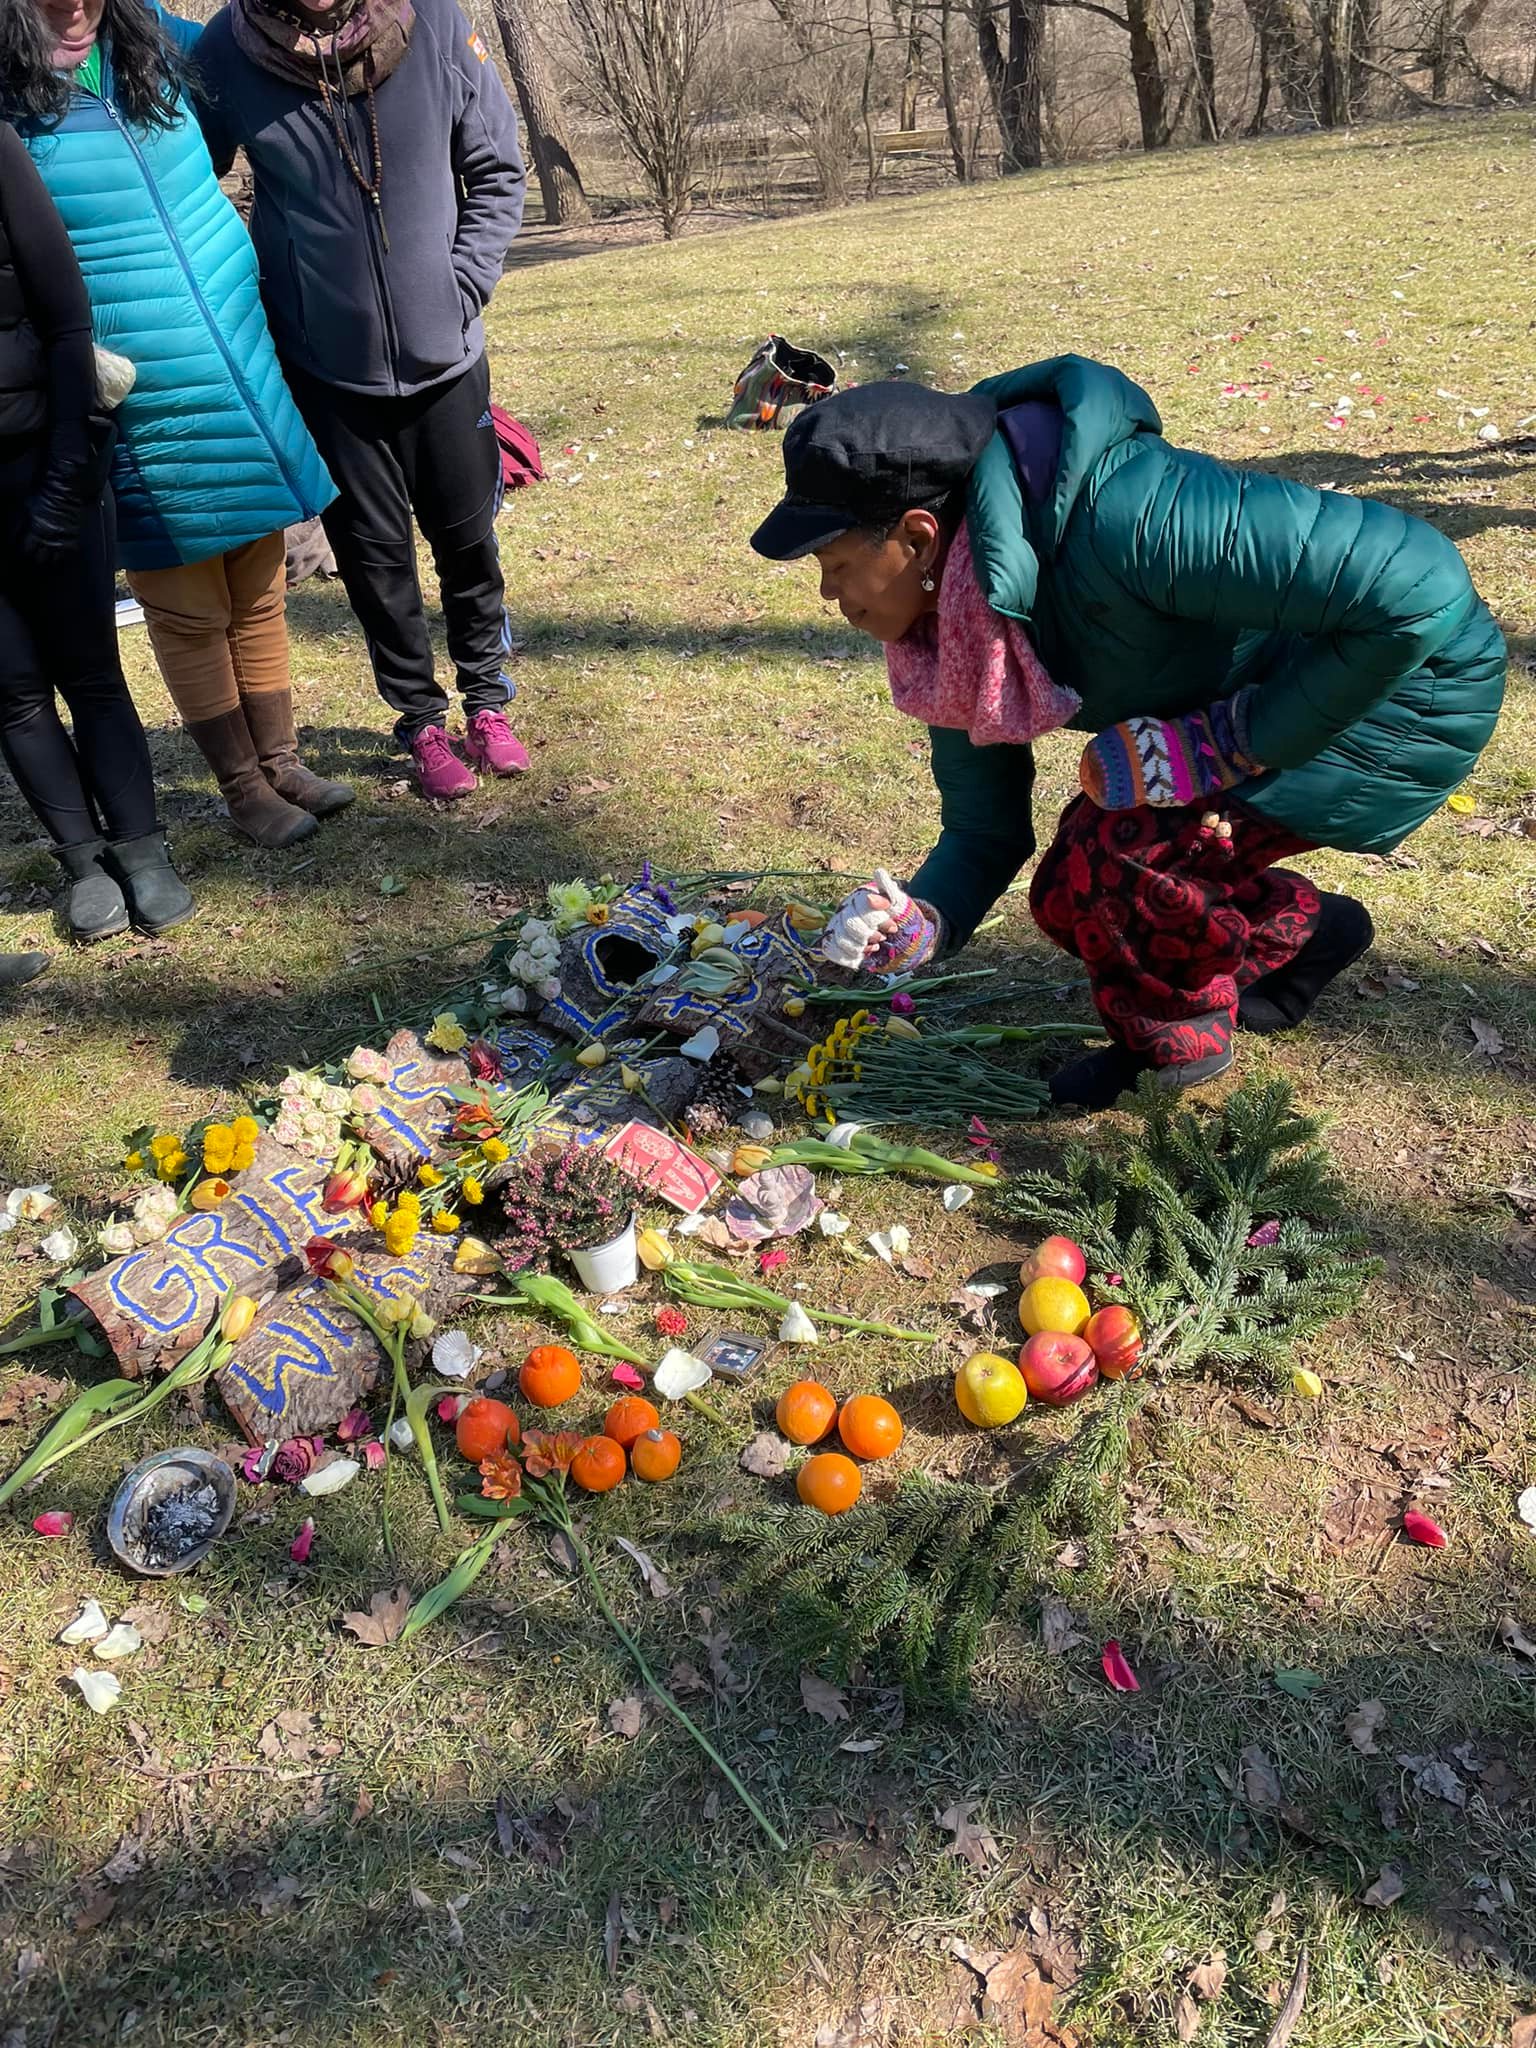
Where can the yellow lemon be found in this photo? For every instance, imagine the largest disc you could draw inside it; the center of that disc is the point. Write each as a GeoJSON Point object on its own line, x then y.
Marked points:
{"type": "Point", "coordinates": [990, 1390]}
{"type": "Point", "coordinates": [1053, 1304]}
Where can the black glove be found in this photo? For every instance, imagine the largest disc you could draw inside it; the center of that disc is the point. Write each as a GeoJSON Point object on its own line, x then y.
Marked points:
{"type": "Point", "coordinates": [56, 514]}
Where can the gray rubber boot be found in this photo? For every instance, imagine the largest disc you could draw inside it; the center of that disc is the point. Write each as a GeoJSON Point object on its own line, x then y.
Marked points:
{"type": "Point", "coordinates": [157, 895]}
{"type": "Point", "coordinates": [15, 968]}
{"type": "Point", "coordinates": [93, 907]}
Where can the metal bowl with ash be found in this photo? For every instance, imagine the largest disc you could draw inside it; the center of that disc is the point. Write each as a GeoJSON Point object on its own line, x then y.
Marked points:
{"type": "Point", "coordinates": [171, 1510]}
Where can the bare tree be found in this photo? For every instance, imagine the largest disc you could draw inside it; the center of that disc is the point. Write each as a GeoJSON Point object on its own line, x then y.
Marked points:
{"type": "Point", "coordinates": [645, 61]}
{"type": "Point", "coordinates": [565, 199]}
{"type": "Point", "coordinates": [1014, 71]}
{"type": "Point", "coordinates": [823, 90]}
{"type": "Point", "coordinates": [959, 63]}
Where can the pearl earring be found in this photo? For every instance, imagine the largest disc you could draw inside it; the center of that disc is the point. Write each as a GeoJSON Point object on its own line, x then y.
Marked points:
{"type": "Point", "coordinates": [928, 579]}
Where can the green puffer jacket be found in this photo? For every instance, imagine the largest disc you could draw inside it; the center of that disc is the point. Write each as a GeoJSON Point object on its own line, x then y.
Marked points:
{"type": "Point", "coordinates": [1154, 581]}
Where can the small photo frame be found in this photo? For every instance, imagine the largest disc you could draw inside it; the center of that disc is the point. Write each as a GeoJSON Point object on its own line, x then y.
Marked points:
{"type": "Point", "coordinates": [733, 1355]}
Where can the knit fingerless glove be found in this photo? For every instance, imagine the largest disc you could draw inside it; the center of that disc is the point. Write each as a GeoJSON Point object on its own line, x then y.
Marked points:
{"type": "Point", "coordinates": [912, 944]}
{"type": "Point", "coordinates": [856, 936]}
{"type": "Point", "coordinates": [1170, 762]}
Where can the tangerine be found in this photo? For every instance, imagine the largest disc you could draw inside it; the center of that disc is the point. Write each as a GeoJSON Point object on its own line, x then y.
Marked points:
{"type": "Point", "coordinates": [869, 1426]}
{"type": "Point", "coordinates": [550, 1375]}
{"type": "Point", "coordinates": [829, 1482]}
{"type": "Point", "coordinates": [484, 1427]}
{"type": "Point", "coordinates": [805, 1412]}
{"type": "Point", "coordinates": [656, 1455]}
{"type": "Point", "coordinates": [599, 1465]}
{"type": "Point", "coordinates": [630, 1417]}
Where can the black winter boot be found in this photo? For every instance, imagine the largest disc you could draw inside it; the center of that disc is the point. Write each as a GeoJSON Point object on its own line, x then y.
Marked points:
{"type": "Point", "coordinates": [1279, 1000]}
{"type": "Point", "coordinates": [157, 895]}
{"type": "Point", "coordinates": [94, 906]}
{"type": "Point", "coordinates": [15, 968]}
{"type": "Point", "coordinates": [1097, 1080]}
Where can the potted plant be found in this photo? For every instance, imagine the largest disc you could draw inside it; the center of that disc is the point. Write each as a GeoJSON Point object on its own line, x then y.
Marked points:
{"type": "Point", "coordinates": [573, 1202]}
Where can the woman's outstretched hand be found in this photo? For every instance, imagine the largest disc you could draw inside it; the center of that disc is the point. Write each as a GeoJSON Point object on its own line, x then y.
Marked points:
{"type": "Point", "coordinates": [881, 929]}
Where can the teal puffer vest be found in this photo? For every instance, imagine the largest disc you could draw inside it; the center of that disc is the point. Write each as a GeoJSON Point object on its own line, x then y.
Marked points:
{"type": "Point", "coordinates": [212, 452]}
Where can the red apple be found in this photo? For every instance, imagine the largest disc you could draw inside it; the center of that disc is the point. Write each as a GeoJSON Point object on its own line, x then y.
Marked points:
{"type": "Point", "coordinates": [1057, 1368]}
{"type": "Point", "coordinates": [1114, 1336]}
{"type": "Point", "coordinates": [1057, 1259]}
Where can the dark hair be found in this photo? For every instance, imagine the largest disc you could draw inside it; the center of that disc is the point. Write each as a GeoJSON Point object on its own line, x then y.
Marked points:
{"type": "Point", "coordinates": [146, 70]}
{"type": "Point", "coordinates": [949, 513]}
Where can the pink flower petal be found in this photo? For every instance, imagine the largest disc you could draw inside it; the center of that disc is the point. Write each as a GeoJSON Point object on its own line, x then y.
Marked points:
{"type": "Point", "coordinates": [448, 1408]}
{"type": "Point", "coordinates": [353, 1424]}
{"type": "Point", "coordinates": [1420, 1529]}
{"type": "Point", "coordinates": [299, 1548]}
{"type": "Point", "coordinates": [902, 1004]}
{"type": "Point", "coordinates": [1117, 1671]}
{"type": "Point", "coordinates": [977, 1132]}
{"type": "Point", "coordinates": [768, 1260]}
{"type": "Point", "coordinates": [626, 1376]}
{"type": "Point", "coordinates": [375, 1457]}
{"type": "Point", "coordinates": [57, 1522]}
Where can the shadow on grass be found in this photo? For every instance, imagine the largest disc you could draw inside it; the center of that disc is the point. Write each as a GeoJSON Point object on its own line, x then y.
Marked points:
{"type": "Point", "coordinates": [280, 1897]}
{"type": "Point", "coordinates": [1430, 482]}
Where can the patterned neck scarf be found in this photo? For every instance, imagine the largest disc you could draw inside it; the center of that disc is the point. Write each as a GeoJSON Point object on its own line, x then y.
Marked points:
{"type": "Point", "coordinates": [968, 668]}
{"type": "Point", "coordinates": [348, 48]}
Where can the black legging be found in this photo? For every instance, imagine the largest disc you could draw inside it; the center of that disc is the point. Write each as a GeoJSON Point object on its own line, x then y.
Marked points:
{"type": "Point", "coordinates": [58, 631]}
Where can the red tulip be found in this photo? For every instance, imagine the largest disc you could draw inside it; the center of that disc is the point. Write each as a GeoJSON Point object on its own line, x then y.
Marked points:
{"type": "Point", "coordinates": [346, 1189]}
{"type": "Point", "coordinates": [57, 1522]}
{"type": "Point", "coordinates": [1117, 1671]}
{"type": "Point", "coordinates": [1420, 1529]}
{"type": "Point", "coordinates": [327, 1260]}
{"type": "Point", "coordinates": [484, 1061]}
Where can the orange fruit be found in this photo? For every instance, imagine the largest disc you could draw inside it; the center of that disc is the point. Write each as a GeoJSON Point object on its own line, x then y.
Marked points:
{"type": "Point", "coordinates": [484, 1427]}
{"type": "Point", "coordinates": [1054, 1304]}
{"type": "Point", "coordinates": [869, 1426]}
{"type": "Point", "coordinates": [829, 1481]}
{"type": "Point", "coordinates": [550, 1375]}
{"type": "Point", "coordinates": [805, 1412]}
{"type": "Point", "coordinates": [656, 1455]}
{"type": "Point", "coordinates": [630, 1417]}
{"type": "Point", "coordinates": [599, 1465]}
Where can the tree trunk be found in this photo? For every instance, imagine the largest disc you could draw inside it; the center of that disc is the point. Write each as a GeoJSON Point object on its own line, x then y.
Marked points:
{"type": "Point", "coordinates": [911, 77]}
{"type": "Point", "coordinates": [565, 201]}
{"type": "Point", "coordinates": [1333, 71]}
{"type": "Point", "coordinates": [1147, 74]}
{"type": "Point", "coordinates": [954, 125]}
{"type": "Point", "coordinates": [1205, 67]}
{"type": "Point", "coordinates": [1365, 33]}
{"type": "Point", "coordinates": [1015, 80]}
{"type": "Point", "coordinates": [1286, 52]}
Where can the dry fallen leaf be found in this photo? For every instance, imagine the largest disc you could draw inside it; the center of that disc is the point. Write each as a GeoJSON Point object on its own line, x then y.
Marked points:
{"type": "Point", "coordinates": [1514, 1637]}
{"type": "Point", "coordinates": [1387, 1889]}
{"type": "Point", "coordinates": [383, 1621]}
{"type": "Point", "coordinates": [1057, 1628]}
{"type": "Point", "coordinates": [766, 1457]}
{"type": "Point", "coordinates": [626, 1715]}
{"type": "Point", "coordinates": [294, 1737]}
{"type": "Point", "coordinates": [973, 1841]}
{"type": "Point", "coordinates": [1186, 2017]}
{"type": "Point", "coordinates": [1523, 2033]}
{"type": "Point", "coordinates": [1017, 1996]}
{"type": "Point", "coordinates": [1434, 1776]}
{"type": "Point", "coordinates": [1261, 1787]}
{"type": "Point", "coordinates": [1486, 1037]}
{"type": "Point", "coordinates": [1207, 1979]}
{"type": "Point", "coordinates": [1362, 1724]}
{"type": "Point", "coordinates": [657, 1584]}
{"type": "Point", "coordinates": [827, 1702]}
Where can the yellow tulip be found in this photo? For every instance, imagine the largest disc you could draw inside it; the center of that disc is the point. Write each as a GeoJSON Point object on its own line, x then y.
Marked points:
{"type": "Point", "coordinates": [1307, 1384]}
{"type": "Point", "coordinates": [748, 1158]}
{"type": "Point", "coordinates": [655, 1249]}
{"type": "Point", "coordinates": [239, 1314]}
{"type": "Point", "coordinates": [592, 1055]}
{"type": "Point", "coordinates": [209, 1193]}
{"type": "Point", "coordinates": [899, 1027]}
{"type": "Point", "coordinates": [472, 1255]}
{"type": "Point", "coordinates": [422, 1324]}
{"type": "Point", "coordinates": [769, 1085]}
{"type": "Point", "coordinates": [795, 1006]}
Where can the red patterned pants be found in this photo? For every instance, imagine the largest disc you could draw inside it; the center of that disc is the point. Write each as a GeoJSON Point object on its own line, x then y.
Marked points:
{"type": "Point", "coordinates": [1171, 919]}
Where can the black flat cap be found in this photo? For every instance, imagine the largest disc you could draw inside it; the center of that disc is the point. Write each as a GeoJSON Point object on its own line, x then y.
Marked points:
{"type": "Point", "coordinates": [863, 457]}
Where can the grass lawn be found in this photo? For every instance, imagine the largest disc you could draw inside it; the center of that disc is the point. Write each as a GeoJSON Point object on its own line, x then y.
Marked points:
{"type": "Point", "coordinates": [191, 1871]}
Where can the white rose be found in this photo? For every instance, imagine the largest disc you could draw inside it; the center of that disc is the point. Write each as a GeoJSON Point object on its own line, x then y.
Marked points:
{"type": "Point", "coordinates": [549, 988]}
{"type": "Point", "coordinates": [115, 1238]}
{"type": "Point", "coordinates": [61, 1244]}
{"type": "Point", "coordinates": [513, 1001]}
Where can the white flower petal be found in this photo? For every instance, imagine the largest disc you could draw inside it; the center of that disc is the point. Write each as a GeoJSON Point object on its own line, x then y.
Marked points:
{"type": "Point", "coordinates": [60, 1245]}
{"type": "Point", "coordinates": [329, 1478]}
{"type": "Point", "coordinates": [1525, 1507]}
{"type": "Point", "coordinates": [703, 1045]}
{"type": "Point", "coordinates": [797, 1327]}
{"type": "Point", "coordinates": [890, 1244]}
{"type": "Point", "coordinates": [401, 1434]}
{"type": "Point", "coordinates": [680, 1373]}
{"type": "Point", "coordinates": [88, 1626]}
{"type": "Point", "coordinates": [832, 1225]}
{"type": "Point", "coordinates": [102, 1689]}
{"type": "Point", "coordinates": [123, 1640]}
{"type": "Point", "coordinates": [842, 1135]}
{"type": "Point", "coordinates": [956, 1197]}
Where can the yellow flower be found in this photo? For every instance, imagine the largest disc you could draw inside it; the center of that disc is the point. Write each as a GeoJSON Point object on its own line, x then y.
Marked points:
{"type": "Point", "coordinates": [471, 1255]}
{"type": "Point", "coordinates": [393, 1312]}
{"type": "Point", "coordinates": [218, 1147]}
{"type": "Point", "coordinates": [597, 913]}
{"type": "Point", "coordinates": [447, 1033]}
{"type": "Point", "coordinates": [245, 1130]}
{"type": "Point", "coordinates": [399, 1234]}
{"type": "Point", "coordinates": [209, 1193]}
{"type": "Point", "coordinates": [378, 1214]}
{"type": "Point", "coordinates": [445, 1223]}
{"type": "Point", "coordinates": [592, 1055]}
{"type": "Point", "coordinates": [173, 1165]}
{"type": "Point", "coordinates": [795, 1006]}
{"type": "Point", "coordinates": [990, 1168]}
{"type": "Point", "coordinates": [239, 1314]}
{"type": "Point", "coordinates": [422, 1324]}
{"type": "Point", "coordinates": [859, 1019]}
{"type": "Point", "coordinates": [408, 1202]}
{"type": "Point", "coordinates": [162, 1146]}
{"type": "Point", "coordinates": [495, 1150]}
{"type": "Point", "coordinates": [244, 1156]}
{"type": "Point", "coordinates": [813, 1105]}
{"type": "Point", "coordinates": [474, 1194]}
{"type": "Point", "coordinates": [1307, 1384]}
{"type": "Point", "coordinates": [134, 1162]}
{"type": "Point", "coordinates": [429, 1176]}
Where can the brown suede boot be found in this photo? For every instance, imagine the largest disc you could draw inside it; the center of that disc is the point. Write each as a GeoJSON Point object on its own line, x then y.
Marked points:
{"type": "Point", "coordinates": [269, 715]}
{"type": "Point", "coordinates": [256, 809]}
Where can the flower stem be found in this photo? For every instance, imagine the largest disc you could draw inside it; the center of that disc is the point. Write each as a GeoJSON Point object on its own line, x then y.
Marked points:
{"type": "Point", "coordinates": [568, 1528]}
{"type": "Point", "coordinates": [67, 1329]}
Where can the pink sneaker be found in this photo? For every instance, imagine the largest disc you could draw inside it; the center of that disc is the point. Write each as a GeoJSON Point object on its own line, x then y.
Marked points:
{"type": "Point", "coordinates": [439, 771]}
{"type": "Point", "coordinates": [491, 743]}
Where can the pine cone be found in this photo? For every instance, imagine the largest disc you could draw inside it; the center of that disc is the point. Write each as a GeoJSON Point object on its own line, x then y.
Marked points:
{"type": "Point", "coordinates": [719, 1102]}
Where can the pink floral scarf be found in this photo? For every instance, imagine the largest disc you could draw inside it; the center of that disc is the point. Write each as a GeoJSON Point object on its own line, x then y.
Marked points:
{"type": "Point", "coordinates": [968, 667]}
